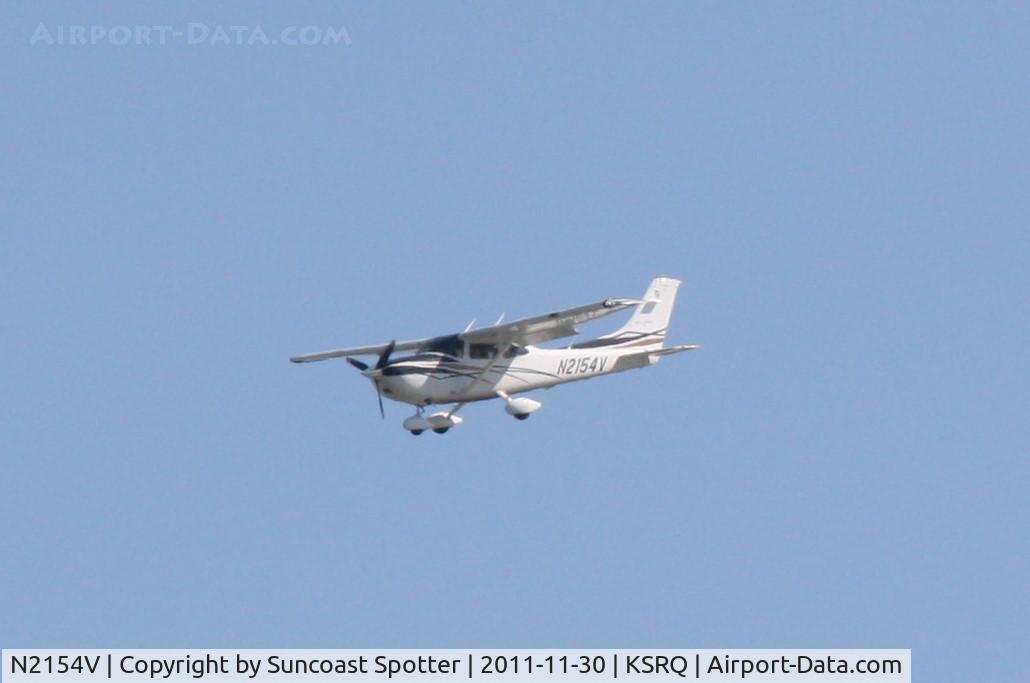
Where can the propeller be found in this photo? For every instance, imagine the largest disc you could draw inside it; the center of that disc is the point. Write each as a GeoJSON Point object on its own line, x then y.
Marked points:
{"type": "Point", "coordinates": [381, 363]}
{"type": "Point", "coordinates": [384, 357]}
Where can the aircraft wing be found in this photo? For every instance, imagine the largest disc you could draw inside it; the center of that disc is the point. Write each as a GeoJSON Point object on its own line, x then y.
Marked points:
{"type": "Point", "coordinates": [534, 330]}
{"type": "Point", "coordinates": [546, 327]}
{"type": "Point", "coordinates": [372, 350]}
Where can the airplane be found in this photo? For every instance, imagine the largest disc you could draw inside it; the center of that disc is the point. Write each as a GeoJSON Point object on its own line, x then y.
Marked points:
{"type": "Point", "coordinates": [504, 359]}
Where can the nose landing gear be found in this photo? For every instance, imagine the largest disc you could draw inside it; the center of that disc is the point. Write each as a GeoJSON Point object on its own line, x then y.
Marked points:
{"type": "Point", "coordinates": [416, 424]}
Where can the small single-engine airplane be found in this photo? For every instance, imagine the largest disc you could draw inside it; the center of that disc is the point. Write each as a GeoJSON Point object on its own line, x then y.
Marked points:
{"type": "Point", "coordinates": [503, 360]}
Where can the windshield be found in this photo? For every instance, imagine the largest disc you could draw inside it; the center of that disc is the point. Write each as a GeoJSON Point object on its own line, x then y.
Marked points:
{"type": "Point", "coordinates": [450, 345]}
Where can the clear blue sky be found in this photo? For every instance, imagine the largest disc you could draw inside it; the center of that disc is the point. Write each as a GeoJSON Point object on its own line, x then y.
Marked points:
{"type": "Point", "coordinates": [843, 188]}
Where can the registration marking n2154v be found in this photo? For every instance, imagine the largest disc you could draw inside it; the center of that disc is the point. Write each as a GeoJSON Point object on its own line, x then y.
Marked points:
{"type": "Point", "coordinates": [587, 365]}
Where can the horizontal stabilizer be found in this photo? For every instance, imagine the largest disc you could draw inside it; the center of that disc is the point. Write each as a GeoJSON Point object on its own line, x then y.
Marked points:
{"type": "Point", "coordinates": [668, 350]}
{"type": "Point", "coordinates": [642, 359]}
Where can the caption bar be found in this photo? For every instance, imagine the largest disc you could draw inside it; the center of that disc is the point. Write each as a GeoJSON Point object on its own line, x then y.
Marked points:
{"type": "Point", "coordinates": [384, 666]}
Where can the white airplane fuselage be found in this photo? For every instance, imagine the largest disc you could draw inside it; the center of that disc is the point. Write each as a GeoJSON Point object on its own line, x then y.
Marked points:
{"type": "Point", "coordinates": [436, 378]}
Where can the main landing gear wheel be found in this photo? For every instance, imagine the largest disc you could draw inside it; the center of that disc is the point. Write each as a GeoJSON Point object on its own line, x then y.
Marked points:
{"type": "Point", "coordinates": [519, 408]}
{"type": "Point", "coordinates": [439, 422]}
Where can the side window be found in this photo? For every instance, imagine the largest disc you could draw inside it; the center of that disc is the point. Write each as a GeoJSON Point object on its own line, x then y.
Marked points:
{"type": "Point", "coordinates": [482, 350]}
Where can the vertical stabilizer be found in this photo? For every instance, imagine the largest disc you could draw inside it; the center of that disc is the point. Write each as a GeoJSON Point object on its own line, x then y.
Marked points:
{"type": "Point", "coordinates": [647, 326]}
